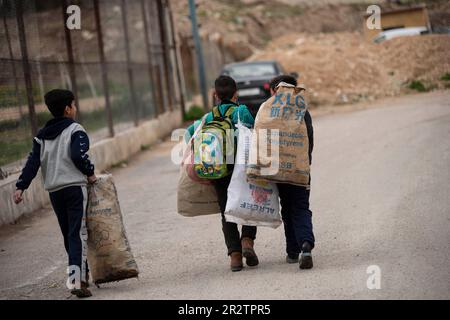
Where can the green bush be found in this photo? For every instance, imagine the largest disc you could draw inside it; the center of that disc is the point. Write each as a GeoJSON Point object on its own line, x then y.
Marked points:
{"type": "Point", "coordinates": [194, 113]}
{"type": "Point", "coordinates": [446, 77]}
{"type": "Point", "coordinates": [417, 85]}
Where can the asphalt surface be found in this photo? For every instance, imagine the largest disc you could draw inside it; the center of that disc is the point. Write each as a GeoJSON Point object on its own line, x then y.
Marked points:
{"type": "Point", "coordinates": [380, 197]}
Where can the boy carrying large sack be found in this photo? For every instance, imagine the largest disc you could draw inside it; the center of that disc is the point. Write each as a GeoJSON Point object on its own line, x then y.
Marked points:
{"type": "Point", "coordinates": [286, 120]}
{"type": "Point", "coordinates": [60, 150]}
{"type": "Point", "coordinates": [229, 111]}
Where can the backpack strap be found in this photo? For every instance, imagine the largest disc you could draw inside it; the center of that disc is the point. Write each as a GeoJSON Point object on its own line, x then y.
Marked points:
{"type": "Point", "coordinates": [229, 111]}
{"type": "Point", "coordinates": [216, 112]}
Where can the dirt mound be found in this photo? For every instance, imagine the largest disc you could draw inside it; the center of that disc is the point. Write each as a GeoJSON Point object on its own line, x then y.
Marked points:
{"type": "Point", "coordinates": [343, 67]}
{"type": "Point", "coordinates": [420, 57]}
{"type": "Point", "coordinates": [246, 25]}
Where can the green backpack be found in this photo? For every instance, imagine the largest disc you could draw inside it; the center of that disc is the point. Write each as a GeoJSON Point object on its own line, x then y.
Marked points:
{"type": "Point", "coordinates": [211, 150]}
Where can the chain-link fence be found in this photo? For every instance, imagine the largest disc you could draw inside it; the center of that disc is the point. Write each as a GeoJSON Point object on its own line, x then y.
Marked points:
{"type": "Point", "coordinates": [122, 64]}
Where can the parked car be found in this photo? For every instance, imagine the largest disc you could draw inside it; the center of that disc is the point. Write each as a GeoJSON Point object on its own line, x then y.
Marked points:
{"type": "Point", "coordinates": [399, 32]}
{"type": "Point", "coordinates": [253, 79]}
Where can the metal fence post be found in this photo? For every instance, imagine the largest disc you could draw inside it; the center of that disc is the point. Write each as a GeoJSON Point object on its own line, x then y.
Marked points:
{"type": "Point", "coordinates": [26, 66]}
{"type": "Point", "coordinates": [165, 52]}
{"type": "Point", "coordinates": [156, 72]}
{"type": "Point", "coordinates": [103, 67]}
{"type": "Point", "coordinates": [177, 61]}
{"type": "Point", "coordinates": [13, 66]}
{"type": "Point", "coordinates": [155, 82]}
{"type": "Point", "coordinates": [198, 50]}
{"type": "Point", "coordinates": [72, 72]}
{"type": "Point", "coordinates": [129, 68]}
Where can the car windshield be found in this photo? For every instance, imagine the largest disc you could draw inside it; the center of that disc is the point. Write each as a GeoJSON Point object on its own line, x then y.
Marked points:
{"type": "Point", "coordinates": [251, 70]}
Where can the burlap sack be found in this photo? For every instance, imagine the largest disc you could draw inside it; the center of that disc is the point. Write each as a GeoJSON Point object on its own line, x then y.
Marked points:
{"type": "Point", "coordinates": [109, 253]}
{"type": "Point", "coordinates": [195, 199]}
{"type": "Point", "coordinates": [285, 112]}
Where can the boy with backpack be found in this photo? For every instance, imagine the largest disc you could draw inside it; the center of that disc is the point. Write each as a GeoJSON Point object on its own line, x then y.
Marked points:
{"type": "Point", "coordinates": [60, 149]}
{"type": "Point", "coordinates": [226, 115]}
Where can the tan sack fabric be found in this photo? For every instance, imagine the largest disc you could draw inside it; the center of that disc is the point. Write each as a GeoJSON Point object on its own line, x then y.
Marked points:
{"type": "Point", "coordinates": [285, 111]}
{"type": "Point", "coordinates": [109, 253]}
{"type": "Point", "coordinates": [194, 196]}
{"type": "Point", "coordinates": [195, 199]}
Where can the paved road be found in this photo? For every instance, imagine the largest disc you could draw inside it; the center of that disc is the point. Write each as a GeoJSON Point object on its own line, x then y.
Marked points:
{"type": "Point", "coordinates": [380, 196]}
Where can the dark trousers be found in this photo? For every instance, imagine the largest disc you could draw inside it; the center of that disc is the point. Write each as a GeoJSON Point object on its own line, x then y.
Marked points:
{"type": "Point", "coordinates": [230, 229]}
{"type": "Point", "coordinates": [69, 205]}
{"type": "Point", "coordinates": [297, 218]}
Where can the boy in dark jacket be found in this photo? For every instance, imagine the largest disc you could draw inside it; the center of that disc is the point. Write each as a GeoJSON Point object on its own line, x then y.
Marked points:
{"type": "Point", "coordinates": [294, 200]}
{"type": "Point", "coordinates": [60, 150]}
{"type": "Point", "coordinates": [237, 245]}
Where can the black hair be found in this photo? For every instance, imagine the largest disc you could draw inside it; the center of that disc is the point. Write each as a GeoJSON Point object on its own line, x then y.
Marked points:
{"type": "Point", "coordinates": [225, 87]}
{"type": "Point", "coordinates": [283, 78]}
{"type": "Point", "coordinates": [57, 100]}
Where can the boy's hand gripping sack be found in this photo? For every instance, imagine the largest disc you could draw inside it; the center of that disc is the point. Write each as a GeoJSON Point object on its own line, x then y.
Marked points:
{"type": "Point", "coordinates": [214, 145]}
{"type": "Point", "coordinates": [279, 151]}
{"type": "Point", "coordinates": [109, 253]}
{"type": "Point", "coordinates": [255, 202]}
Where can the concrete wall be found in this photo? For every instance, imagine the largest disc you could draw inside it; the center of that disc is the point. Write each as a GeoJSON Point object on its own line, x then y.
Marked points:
{"type": "Point", "coordinates": [104, 153]}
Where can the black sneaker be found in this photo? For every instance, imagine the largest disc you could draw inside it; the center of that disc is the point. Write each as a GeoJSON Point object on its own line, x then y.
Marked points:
{"type": "Point", "coordinates": [292, 258]}
{"type": "Point", "coordinates": [306, 261]}
{"type": "Point", "coordinates": [82, 292]}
